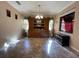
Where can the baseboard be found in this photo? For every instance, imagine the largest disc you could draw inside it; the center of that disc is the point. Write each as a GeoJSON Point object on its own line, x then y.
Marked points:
{"type": "Point", "coordinates": [75, 49]}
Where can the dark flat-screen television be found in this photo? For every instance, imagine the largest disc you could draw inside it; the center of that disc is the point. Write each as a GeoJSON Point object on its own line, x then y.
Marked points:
{"type": "Point", "coordinates": [66, 22]}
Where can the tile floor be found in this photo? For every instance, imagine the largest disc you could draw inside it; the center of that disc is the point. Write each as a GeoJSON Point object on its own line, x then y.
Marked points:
{"type": "Point", "coordinates": [35, 48]}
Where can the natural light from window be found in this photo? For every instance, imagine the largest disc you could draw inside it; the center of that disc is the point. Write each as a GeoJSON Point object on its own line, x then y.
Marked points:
{"type": "Point", "coordinates": [50, 25]}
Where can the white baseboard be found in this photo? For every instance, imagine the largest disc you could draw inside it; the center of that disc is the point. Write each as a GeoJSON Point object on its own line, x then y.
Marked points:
{"type": "Point", "coordinates": [75, 49]}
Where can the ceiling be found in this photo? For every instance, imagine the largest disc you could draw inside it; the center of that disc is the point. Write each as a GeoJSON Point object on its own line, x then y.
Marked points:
{"type": "Point", "coordinates": [47, 8]}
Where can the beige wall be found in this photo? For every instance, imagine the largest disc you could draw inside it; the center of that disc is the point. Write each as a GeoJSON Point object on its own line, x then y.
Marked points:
{"type": "Point", "coordinates": [75, 35]}
{"type": "Point", "coordinates": [9, 26]}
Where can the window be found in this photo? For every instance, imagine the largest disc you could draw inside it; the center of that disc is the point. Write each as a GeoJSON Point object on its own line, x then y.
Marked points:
{"type": "Point", "coordinates": [8, 13]}
{"type": "Point", "coordinates": [16, 16]}
{"type": "Point", "coordinates": [66, 23]}
{"type": "Point", "coordinates": [26, 25]}
{"type": "Point", "coordinates": [51, 25]}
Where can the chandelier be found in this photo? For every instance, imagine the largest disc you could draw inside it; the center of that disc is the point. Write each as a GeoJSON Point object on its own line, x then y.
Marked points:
{"type": "Point", "coordinates": [38, 16]}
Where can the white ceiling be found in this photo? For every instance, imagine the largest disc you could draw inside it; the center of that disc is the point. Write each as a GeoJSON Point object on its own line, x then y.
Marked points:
{"type": "Point", "coordinates": [48, 8]}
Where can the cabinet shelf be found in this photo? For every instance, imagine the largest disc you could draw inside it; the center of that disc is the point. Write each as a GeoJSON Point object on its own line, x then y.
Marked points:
{"type": "Point", "coordinates": [38, 24]}
{"type": "Point", "coordinates": [38, 27]}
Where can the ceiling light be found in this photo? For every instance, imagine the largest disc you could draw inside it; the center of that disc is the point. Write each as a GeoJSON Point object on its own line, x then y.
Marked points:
{"type": "Point", "coordinates": [38, 16]}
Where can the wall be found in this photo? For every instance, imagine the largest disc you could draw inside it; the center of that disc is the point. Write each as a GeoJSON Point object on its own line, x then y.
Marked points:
{"type": "Point", "coordinates": [9, 26]}
{"type": "Point", "coordinates": [74, 43]}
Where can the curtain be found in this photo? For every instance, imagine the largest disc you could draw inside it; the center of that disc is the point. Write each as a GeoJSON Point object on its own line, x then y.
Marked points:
{"type": "Point", "coordinates": [67, 26]}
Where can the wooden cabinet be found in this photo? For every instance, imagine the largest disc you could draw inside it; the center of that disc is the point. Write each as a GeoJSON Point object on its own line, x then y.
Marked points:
{"type": "Point", "coordinates": [38, 28]}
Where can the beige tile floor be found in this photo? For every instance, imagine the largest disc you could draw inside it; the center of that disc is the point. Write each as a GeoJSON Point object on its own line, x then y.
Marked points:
{"type": "Point", "coordinates": [36, 48]}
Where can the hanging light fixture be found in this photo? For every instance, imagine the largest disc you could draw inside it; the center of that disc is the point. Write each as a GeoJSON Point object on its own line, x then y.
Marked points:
{"type": "Point", "coordinates": [38, 16]}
